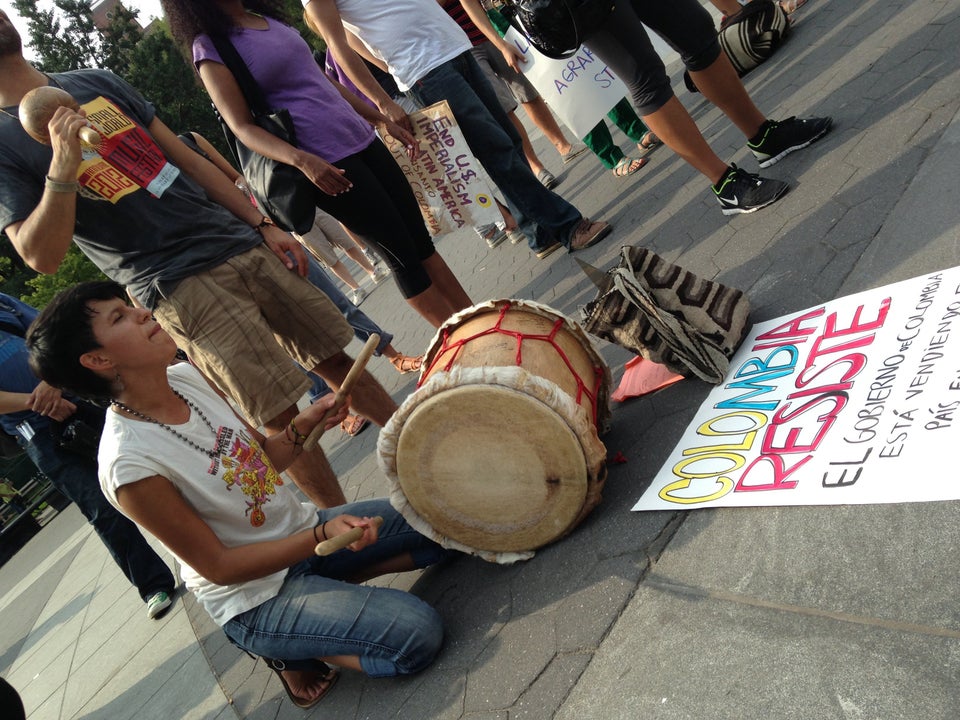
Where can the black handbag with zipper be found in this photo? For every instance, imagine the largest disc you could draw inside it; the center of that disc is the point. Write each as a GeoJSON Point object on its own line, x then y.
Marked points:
{"type": "Point", "coordinates": [282, 192]}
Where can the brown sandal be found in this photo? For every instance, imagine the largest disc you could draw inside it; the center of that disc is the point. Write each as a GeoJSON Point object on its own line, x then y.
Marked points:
{"type": "Point", "coordinates": [353, 424]}
{"type": "Point", "coordinates": [330, 677]}
{"type": "Point", "coordinates": [406, 364]}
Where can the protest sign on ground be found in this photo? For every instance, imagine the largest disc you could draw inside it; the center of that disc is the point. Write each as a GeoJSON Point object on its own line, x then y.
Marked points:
{"type": "Point", "coordinates": [854, 401]}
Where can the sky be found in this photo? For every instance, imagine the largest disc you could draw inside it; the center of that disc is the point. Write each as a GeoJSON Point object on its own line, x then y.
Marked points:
{"type": "Point", "coordinates": [148, 9]}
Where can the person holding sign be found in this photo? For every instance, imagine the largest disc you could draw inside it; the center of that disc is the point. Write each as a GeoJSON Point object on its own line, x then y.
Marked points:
{"type": "Point", "coordinates": [622, 42]}
{"type": "Point", "coordinates": [358, 181]}
{"type": "Point", "coordinates": [165, 223]}
{"type": "Point", "coordinates": [180, 463]}
{"type": "Point", "coordinates": [429, 56]}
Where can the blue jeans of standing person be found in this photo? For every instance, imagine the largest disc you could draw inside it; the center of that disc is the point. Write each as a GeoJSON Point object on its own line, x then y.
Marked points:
{"type": "Point", "coordinates": [76, 477]}
{"type": "Point", "coordinates": [319, 613]}
{"type": "Point", "coordinates": [496, 144]}
{"type": "Point", "coordinates": [363, 326]}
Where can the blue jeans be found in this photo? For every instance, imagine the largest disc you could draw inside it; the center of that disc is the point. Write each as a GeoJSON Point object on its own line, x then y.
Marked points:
{"type": "Point", "coordinates": [363, 326]}
{"type": "Point", "coordinates": [496, 144]}
{"type": "Point", "coordinates": [318, 613]}
{"type": "Point", "coordinates": [76, 477]}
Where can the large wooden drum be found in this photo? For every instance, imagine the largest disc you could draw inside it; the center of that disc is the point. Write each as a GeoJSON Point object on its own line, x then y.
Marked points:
{"type": "Point", "coordinates": [496, 453]}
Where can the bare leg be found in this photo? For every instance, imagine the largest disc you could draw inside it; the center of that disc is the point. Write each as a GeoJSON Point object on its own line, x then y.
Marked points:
{"type": "Point", "coordinates": [443, 277]}
{"type": "Point", "coordinates": [721, 86]}
{"type": "Point", "coordinates": [432, 306]}
{"type": "Point", "coordinates": [532, 160]}
{"type": "Point", "coordinates": [674, 126]}
{"type": "Point", "coordinates": [356, 253]}
{"type": "Point", "coordinates": [368, 398]}
{"type": "Point", "coordinates": [342, 272]}
{"type": "Point", "coordinates": [310, 471]}
{"type": "Point", "coordinates": [538, 111]}
{"type": "Point", "coordinates": [510, 222]}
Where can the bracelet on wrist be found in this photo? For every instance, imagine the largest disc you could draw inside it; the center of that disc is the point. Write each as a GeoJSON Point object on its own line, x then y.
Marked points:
{"type": "Point", "coordinates": [323, 530]}
{"type": "Point", "coordinates": [298, 437]}
{"type": "Point", "coordinates": [263, 223]}
{"type": "Point", "coordinates": [58, 186]}
{"type": "Point", "coordinates": [315, 538]}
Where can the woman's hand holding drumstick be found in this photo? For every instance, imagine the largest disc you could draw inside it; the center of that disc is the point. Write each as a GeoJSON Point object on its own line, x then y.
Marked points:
{"type": "Point", "coordinates": [358, 527]}
{"type": "Point", "coordinates": [348, 382]}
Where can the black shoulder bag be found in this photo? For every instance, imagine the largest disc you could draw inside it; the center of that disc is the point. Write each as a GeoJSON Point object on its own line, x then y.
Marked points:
{"type": "Point", "coordinates": [282, 191]}
{"type": "Point", "coordinates": [557, 28]}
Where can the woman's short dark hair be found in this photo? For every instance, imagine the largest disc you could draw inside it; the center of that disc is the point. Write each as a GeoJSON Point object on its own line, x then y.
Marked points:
{"type": "Point", "coordinates": [62, 333]}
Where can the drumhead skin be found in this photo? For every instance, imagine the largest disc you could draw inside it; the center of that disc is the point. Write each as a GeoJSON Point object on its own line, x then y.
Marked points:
{"type": "Point", "coordinates": [492, 468]}
{"type": "Point", "coordinates": [497, 452]}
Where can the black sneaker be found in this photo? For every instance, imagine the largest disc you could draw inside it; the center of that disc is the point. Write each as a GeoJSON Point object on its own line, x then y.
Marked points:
{"type": "Point", "coordinates": [777, 139]}
{"type": "Point", "coordinates": [741, 192]}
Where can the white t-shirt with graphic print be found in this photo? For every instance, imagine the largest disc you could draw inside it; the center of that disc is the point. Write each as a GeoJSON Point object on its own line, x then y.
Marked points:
{"type": "Point", "coordinates": [238, 493]}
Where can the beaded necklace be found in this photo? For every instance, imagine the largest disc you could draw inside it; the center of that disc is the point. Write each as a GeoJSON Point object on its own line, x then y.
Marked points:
{"type": "Point", "coordinates": [212, 454]}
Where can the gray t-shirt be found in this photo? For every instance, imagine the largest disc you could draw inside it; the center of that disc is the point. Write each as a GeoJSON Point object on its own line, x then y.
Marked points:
{"type": "Point", "coordinates": [141, 220]}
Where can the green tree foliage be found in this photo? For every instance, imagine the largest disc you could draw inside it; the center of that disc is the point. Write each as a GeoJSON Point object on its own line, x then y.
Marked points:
{"type": "Point", "coordinates": [75, 268]}
{"type": "Point", "coordinates": [63, 37]}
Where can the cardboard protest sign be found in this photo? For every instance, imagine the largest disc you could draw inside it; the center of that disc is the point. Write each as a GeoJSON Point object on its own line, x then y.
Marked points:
{"type": "Point", "coordinates": [580, 89]}
{"type": "Point", "coordinates": [449, 183]}
{"type": "Point", "coordinates": [854, 401]}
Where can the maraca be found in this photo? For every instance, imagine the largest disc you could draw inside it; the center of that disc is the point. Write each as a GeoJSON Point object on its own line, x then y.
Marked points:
{"type": "Point", "coordinates": [39, 105]}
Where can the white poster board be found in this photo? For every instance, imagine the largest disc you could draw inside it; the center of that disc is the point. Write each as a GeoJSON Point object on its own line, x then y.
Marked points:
{"type": "Point", "coordinates": [854, 401]}
{"type": "Point", "coordinates": [581, 90]}
{"type": "Point", "coordinates": [449, 183]}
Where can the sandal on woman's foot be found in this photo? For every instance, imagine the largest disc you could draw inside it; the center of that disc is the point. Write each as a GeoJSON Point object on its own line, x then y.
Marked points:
{"type": "Point", "coordinates": [353, 424]}
{"type": "Point", "coordinates": [648, 142]}
{"type": "Point", "coordinates": [790, 6]}
{"type": "Point", "coordinates": [406, 364]}
{"type": "Point", "coordinates": [628, 166]}
{"type": "Point", "coordinates": [330, 677]}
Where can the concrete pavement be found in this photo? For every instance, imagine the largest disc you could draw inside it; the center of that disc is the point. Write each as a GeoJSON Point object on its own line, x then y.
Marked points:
{"type": "Point", "coordinates": [813, 612]}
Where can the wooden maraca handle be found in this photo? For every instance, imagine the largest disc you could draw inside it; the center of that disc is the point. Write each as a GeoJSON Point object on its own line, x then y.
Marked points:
{"type": "Point", "coordinates": [39, 105]}
{"type": "Point", "coordinates": [339, 542]}
{"type": "Point", "coordinates": [345, 387]}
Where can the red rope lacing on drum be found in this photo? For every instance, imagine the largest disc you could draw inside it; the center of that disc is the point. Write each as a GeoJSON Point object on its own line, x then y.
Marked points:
{"type": "Point", "coordinates": [520, 337]}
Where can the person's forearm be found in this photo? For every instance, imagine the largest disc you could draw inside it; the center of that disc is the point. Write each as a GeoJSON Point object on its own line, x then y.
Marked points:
{"type": "Point", "coordinates": [218, 186]}
{"type": "Point", "coordinates": [44, 238]}
{"type": "Point", "coordinates": [370, 114]}
{"type": "Point", "coordinates": [284, 447]}
{"type": "Point", "coordinates": [11, 402]}
{"type": "Point", "coordinates": [324, 16]}
{"type": "Point", "coordinates": [479, 18]}
{"type": "Point", "coordinates": [257, 560]}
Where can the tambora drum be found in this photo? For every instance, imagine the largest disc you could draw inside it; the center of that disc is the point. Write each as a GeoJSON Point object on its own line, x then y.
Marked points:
{"type": "Point", "coordinates": [496, 453]}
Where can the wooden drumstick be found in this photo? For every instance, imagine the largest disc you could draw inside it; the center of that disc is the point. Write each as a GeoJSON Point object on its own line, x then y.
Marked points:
{"type": "Point", "coordinates": [345, 387]}
{"type": "Point", "coordinates": [39, 105]}
{"type": "Point", "coordinates": [339, 542]}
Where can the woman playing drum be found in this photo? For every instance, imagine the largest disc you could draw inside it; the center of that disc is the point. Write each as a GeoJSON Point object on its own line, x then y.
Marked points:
{"type": "Point", "coordinates": [176, 459]}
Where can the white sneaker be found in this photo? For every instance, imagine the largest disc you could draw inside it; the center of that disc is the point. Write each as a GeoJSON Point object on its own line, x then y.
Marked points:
{"type": "Point", "coordinates": [157, 604]}
{"type": "Point", "coordinates": [380, 271]}
{"type": "Point", "coordinates": [358, 296]}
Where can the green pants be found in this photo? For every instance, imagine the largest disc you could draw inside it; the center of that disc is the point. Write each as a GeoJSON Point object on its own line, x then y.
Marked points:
{"type": "Point", "coordinates": [601, 142]}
